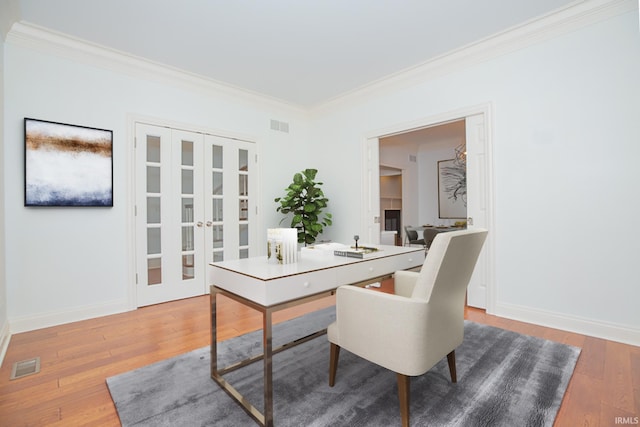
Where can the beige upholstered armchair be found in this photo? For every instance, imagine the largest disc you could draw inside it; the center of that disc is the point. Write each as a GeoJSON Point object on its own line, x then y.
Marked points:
{"type": "Point", "coordinates": [411, 331]}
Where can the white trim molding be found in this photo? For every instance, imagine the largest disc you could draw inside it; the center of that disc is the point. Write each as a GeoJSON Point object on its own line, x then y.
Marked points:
{"type": "Point", "coordinates": [576, 15]}
{"type": "Point", "coordinates": [580, 325]}
{"type": "Point", "coordinates": [5, 338]}
{"type": "Point", "coordinates": [35, 37]}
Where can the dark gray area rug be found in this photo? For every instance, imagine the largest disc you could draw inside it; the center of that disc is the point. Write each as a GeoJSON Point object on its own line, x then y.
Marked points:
{"type": "Point", "coordinates": [504, 379]}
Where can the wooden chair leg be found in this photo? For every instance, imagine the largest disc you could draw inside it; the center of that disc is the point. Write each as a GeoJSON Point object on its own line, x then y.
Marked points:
{"type": "Point", "coordinates": [333, 363]}
{"type": "Point", "coordinates": [451, 358]}
{"type": "Point", "coordinates": [403, 396]}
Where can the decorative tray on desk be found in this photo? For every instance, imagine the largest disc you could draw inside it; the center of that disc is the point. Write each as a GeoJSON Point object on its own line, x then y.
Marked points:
{"type": "Point", "coordinates": [360, 252]}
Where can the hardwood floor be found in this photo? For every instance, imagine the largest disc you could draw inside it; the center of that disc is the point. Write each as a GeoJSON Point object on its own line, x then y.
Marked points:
{"type": "Point", "coordinates": [76, 358]}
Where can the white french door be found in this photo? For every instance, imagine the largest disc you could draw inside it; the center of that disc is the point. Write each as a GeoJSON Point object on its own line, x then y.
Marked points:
{"type": "Point", "coordinates": [195, 203]}
{"type": "Point", "coordinates": [477, 204]}
{"type": "Point", "coordinates": [371, 198]}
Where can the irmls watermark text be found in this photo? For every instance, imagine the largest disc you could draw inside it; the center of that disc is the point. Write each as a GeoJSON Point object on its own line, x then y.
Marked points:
{"type": "Point", "coordinates": [627, 420]}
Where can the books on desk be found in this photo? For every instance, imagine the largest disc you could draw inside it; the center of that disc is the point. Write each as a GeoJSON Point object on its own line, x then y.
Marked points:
{"type": "Point", "coordinates": [338, 249]}
{"type": "Point", "coordinates": [361, 252]}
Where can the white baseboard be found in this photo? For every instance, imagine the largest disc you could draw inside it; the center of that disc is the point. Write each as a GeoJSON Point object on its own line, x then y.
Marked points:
{"type": "Point", "coordinates": [606, 330]}
{"type": "Point", "coordinates": [30, 323]}
{"type": "Point", "coordinates": [5, 337]}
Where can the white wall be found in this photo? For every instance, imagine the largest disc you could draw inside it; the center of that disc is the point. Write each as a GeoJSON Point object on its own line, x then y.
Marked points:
{"type": "Point", "coordinates": [65, 264]}
{"type": "Point", "coordinates": [565, 139]}
{"type": "Point", "coordinates": [4, 320]}
{"type": "Point", "coordinates": [9, 13]}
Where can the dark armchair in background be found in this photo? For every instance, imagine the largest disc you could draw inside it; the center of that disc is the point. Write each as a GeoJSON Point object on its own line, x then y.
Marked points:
{"type": "Point", "coordinates": [411, 237]}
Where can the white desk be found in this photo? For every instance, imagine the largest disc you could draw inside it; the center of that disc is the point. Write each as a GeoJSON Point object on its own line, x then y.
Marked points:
{"type": "Point", "coordinates": [272, 287]}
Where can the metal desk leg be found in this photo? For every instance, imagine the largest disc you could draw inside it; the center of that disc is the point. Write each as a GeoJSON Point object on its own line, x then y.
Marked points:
{"type": "Point", "coordinates": [214, 334]}
{"type": "Point", "coordinates": [268, 367]}
{"type": "Point", "coordinates": [265, 419]}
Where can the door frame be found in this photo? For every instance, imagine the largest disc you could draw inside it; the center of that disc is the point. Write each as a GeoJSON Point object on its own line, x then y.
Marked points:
{"type": "Point", "coordinates": [131, 120]}
{"type": "Point", "coordinates": [371, 192]}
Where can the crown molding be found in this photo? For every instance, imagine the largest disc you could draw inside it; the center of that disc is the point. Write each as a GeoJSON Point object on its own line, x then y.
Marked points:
{"type": "Point", "coordinates": [576, 15]}
{"type": "Point", "coordinates": [35, 37]}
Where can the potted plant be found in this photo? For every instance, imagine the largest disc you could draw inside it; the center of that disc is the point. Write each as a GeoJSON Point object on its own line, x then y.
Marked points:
{"type": "Point", "coordinates": [306, 201]}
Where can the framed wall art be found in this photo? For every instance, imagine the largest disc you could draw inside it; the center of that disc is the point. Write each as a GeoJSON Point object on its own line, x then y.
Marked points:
{"type": "Point", "coordinates": [67, 165]}
{"type": "Point", "coordinates": [452, 189]}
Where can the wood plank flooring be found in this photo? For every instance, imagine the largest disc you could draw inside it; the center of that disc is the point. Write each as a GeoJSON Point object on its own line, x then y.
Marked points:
{"type": "Point", "coordinates": [76, 358]}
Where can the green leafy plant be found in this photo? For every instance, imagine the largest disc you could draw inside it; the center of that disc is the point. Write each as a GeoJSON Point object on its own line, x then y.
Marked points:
{"type": "Point", "coordinates": [306, 201]}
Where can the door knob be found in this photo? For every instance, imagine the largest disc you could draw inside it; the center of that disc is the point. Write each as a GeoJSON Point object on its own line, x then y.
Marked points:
{"type": "Point", "coordinates": [199, 223]}
{"type": "Point", "coordinates": [209, 223]}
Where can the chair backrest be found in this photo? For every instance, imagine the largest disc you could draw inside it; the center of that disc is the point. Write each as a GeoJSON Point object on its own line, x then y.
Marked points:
{"type": "Point", "coordinates": [411, 234]}
{"type": "Point", "coordinates": [449, 265]}
{"type": "Point", "coordinates": [428, 235]}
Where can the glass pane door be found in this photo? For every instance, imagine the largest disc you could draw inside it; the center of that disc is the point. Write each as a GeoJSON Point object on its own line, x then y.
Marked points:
{"type": "Point", "coordinates": [243, 202]}
{"type": "Point", "coordinates": [216, 193]}
{"type": "Point", "coordinates": [188, 200]}
{"type": "Point", "coordinates": [154, 210]}
{"type": "Point", "coordinates": [195, 204]}
{"type": "Point", "coordinates": [231, 208]}
{"type": "Point", "coordinates": [168, 204]}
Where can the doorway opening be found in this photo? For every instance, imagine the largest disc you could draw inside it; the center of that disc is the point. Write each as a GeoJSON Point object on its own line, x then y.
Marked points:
{"type": "Point", "coordinates": [474, 122]}
{"type": "Point", "coordinates": [418, 153]}
{"type": "Point", "coordinates": [391, 205]}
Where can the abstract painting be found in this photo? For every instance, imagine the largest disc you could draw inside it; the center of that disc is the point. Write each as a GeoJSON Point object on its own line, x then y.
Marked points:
{"type": "Point", "coordinates": [67, 165]}
{"type": "Point", "coordinates": [452, 189]}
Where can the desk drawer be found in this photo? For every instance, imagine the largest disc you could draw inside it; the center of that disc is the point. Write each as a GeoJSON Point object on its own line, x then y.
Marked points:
{"type": "Point", "coordinates": [364, 270]}
{"type": "Point", "coordinates": [376, 267]}
{"type": "Point", "coordinates": [410, 260]}
{"type": "Point", "coordinates": [301, 285]}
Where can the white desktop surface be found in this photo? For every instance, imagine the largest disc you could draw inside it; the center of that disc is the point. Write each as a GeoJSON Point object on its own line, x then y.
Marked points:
{"type": "Point", "coordinates": [268, 284]}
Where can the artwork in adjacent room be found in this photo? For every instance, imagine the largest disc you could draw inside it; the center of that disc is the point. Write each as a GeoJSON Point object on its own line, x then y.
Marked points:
{"type": "Point", "coordinates": [67, 165]}
{"type": "Point", "coordinates": [452, 189]}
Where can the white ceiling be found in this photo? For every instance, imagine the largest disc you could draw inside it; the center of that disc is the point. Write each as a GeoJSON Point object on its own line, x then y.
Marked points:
{"type": "Point", "coordinates": [304, 52]}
